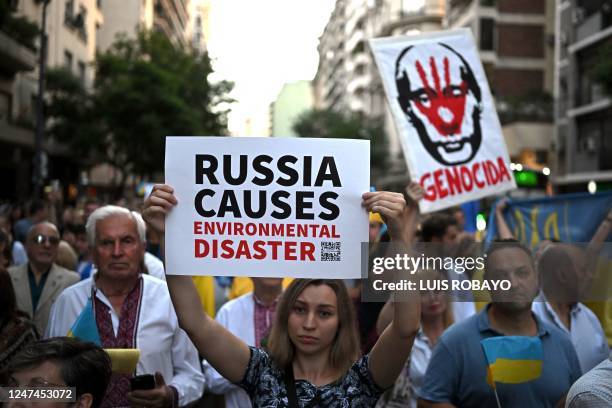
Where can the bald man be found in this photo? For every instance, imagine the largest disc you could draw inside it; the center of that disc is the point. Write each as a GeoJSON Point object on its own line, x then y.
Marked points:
{"type": "Point", "coordinates": [40, 281]}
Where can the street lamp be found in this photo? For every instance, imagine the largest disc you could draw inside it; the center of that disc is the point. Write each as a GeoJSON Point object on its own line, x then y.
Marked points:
{"type": "Point", "coordinates": [39, 136]}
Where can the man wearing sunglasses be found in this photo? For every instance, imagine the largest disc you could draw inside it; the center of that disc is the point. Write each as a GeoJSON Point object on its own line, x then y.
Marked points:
{"type": "Point", "coordinates": [40, 281]}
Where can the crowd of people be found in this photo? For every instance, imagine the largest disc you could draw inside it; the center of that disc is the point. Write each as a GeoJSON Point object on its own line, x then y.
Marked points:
{"type": "Point", "coordinates": [274, 342]}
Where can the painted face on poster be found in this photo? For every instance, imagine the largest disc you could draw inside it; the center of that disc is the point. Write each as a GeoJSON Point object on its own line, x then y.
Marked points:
{"type": "Point", "coordinates": [445, 116]}
{"type": "Point", "coordinates": [442, 99]}
{"type": "Point", "coordinates": [255, 207]}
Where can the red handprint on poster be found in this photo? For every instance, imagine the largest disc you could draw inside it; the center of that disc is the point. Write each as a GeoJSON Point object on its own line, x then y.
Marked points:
{"type": "Point", "coordinates": [444, 107]}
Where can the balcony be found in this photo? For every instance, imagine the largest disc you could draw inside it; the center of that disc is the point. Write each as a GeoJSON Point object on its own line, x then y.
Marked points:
{"type": "Point", "coordinates": [161, 25]}
{"type": "Point", "coordinates": [358, 105]}
{"type": "Point", "coordinates": [356, 19]}
{"type": "Point", "coordinates": [171, 19]}
{"type": "Point", "coordinates": [536, 108]}
{"type": "Point", "coordinates": [588, 92]}
{"type": "Point", "coordinates": [15, 57]}
{"type": "Point", "coordinates": [591, 25]}
{"type": "Point", "coordinates": [361, 58]}
{"type": "Point", "coordinates": [401, 19]}
{"type": "Point", "coordinates": [357, 37]}
{"type": "Point", "coordinates": [456, 9]}
{"type": "Point", "coordinates": [359, 82]}
{"type": "Point", "coordinates": [77, 22]}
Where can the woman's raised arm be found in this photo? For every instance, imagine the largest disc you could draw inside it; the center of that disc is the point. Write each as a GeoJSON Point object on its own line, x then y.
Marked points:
{"type": "Point", "coordinates": [225, 352]}
{"type": "Point", "coordinates": [393, 347]}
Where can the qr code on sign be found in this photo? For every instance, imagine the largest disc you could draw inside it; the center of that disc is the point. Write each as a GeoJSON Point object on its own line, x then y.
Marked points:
{"type": "Point", "coordinates": [330, 251]}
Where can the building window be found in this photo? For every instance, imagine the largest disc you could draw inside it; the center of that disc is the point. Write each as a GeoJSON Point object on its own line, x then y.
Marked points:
{"type": "Point", "coordinates": [80, 23]}
{"type": "Point", "coordinates": [5, 107]}
{"type": "Point", "coordinates": [359, 25]}
{"type": "Point", "coordinates": [588, 89]}
{"type": "Point", "coordinates": [605, 151]}
{"type": "Point", "coordinates": [68, 60]}
{"type": "Point", "coordinates": [487, 34]}
{"type": "Point", "coordinates": [77, 22]}
{"type": "Point", "coordinates": [82, 72]}
{"type": "Point", "coordinates": [412, 7]}
{"type": "Point", "coordinates": [69, 11]}
{"type": "Point", "coordinates": [360, 47]}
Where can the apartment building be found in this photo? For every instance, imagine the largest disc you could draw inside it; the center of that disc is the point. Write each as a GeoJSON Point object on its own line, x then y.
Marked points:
{"type": "Point", "coordinates": [583, 131]}
{"type": "Point", "coordinates": [198, 28]}
{"type": "Point", "coordinates": [515, 39]}
{"type": "Point", "coordinates": [170, 17]}
{"type": "Point", "coordinates": [71, 38]}
{"type": "Point", "coordinates": [294, 99]}
{"type": "Point", "coordinates": [347, 79]}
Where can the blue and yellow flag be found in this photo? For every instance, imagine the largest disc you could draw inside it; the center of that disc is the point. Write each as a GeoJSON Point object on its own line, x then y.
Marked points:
{"type": "Point", "coordinates": [84, 327]}
{"type": "Point", "coordinates": [564, 217]}
{"type": "Point", "coordinates": [512, 359]}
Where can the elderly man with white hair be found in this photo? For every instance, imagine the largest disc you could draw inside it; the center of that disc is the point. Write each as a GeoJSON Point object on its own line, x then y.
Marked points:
{"type": "Point", "coordinates": [132, 310]}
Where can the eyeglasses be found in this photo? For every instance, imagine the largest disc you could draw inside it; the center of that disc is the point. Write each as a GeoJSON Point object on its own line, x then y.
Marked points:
{"type": "Point", "coordinates": [41, 239]}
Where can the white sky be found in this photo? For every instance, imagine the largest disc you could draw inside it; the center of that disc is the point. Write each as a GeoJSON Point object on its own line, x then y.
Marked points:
{"type": "Point", "coordinates": [260, 45]}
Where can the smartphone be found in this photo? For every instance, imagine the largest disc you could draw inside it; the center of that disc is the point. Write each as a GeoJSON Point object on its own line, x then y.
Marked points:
{"type": "Point", "coordinates": [142, 382]}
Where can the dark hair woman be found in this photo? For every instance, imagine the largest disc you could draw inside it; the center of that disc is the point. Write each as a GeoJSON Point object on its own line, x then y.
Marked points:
{"type": "Point", "coordinates": [313, 354]}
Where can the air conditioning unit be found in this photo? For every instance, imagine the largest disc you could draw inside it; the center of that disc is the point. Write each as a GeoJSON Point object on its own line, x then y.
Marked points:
{"type": "Point", "coordinates": [577, 15]}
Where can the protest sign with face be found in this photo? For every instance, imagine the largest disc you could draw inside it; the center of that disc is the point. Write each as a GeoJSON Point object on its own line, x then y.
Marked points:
{"type": "Point", "coordinates": [266, 207]}
{"type": "Point", "coordinates": [445, 116]}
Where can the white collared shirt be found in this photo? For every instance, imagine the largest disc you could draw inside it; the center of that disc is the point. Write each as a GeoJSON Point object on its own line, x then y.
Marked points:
{"type": "Point", "coordinates": [236, 316]}
{"type": "Point", "coordinates": [154, 266]}
{"type": "Point", "coordinates": [408, 384]}
{"type": "Point", "coordinates": [419, 360]}
{"type": "Point", "coordinates": [163, 345]}
{"type": "Point", "coordinates": [585, 331]}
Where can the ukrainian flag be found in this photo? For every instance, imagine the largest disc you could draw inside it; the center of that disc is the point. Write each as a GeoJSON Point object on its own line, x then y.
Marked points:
{"type": "Point", "coordinates": [512, 359]}
{"type": "Point", "coordinates": [84, 327]}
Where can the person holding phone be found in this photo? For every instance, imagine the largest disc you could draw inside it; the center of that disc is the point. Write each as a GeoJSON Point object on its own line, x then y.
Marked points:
{"type": "Point", "coordinates": [132, 310]}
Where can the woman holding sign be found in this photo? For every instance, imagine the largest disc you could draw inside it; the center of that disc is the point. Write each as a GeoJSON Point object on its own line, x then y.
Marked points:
{"type": "Point", "coordinates": [313, 351]}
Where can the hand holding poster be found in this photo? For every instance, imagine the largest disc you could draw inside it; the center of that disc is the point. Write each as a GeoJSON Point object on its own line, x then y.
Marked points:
{"type": "Point", "coordinates": [266, 207]}
{"type": "Point", "coordinates": [445, 116]}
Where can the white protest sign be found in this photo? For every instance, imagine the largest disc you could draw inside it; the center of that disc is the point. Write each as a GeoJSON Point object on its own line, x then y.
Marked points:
{"type": "Point", "coordinates": [445, 116]}
{"type": "Point", "coordinates": [268, 207]}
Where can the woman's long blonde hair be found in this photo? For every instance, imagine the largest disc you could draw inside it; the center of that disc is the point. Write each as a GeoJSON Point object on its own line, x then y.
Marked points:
{"type": "Point", "coordinates": [345, 346]}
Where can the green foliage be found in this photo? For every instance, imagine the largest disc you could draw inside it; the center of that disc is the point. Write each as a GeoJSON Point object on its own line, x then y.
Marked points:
{"type": "Point", "coordinates": [20, 29]}
{"type": "Point", "coordinates": [602, 71]}
{"type": "Point", "coordinates": [145, 89]}
{"type": "Point", "coordinates": [331, 124]}
{"type": "Point", "coordinates": [73, 117]}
